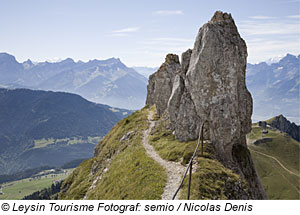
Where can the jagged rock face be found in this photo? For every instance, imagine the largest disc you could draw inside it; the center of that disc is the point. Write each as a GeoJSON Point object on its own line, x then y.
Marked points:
{"type": "Point", "coordinates": [175, 99]}
{"type": "Point", "coordinates": [216, 82]}
{"type": "Point", "coordinates": [185, 61]}
{"type": "Point", "coordinates": [181, 109]}
{"type": "Point", "coordinates": [282, 124]}
{"type": "Point", "coordinates": [181, 106]}
{"type": "Point", "coordinates": [161, 83]}
{"type": "Point", "coordinates": [209, 86]}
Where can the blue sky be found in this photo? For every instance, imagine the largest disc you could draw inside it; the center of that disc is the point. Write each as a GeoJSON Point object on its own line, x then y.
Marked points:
{"type": "Point", "coordinates": [139, 32]}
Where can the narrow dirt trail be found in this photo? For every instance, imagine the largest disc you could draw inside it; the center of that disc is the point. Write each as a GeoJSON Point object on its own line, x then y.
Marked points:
{"type": "Point", "coordinates": [174, 170]}
{"type": "Point", "coordinates": [286, 169]}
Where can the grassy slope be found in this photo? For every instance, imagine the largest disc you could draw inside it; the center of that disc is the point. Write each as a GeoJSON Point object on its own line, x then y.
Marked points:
{"type": "Point", "coordinates": [211, 179]}
{"type": "Point", "coordinates": [167, 146]}
{"type": "Point", "coordinates": [78, 181]}
{"type": "Point", "coordinates": [278, 183]}
{"type": "Point", "coordinates": [69, 141]}
{"type": "Point", "coordinates": [131, 173]}
{"type": "Point", "coordinates": [283, 147]}
{"type": "Point", "coordinates": [19, 189]}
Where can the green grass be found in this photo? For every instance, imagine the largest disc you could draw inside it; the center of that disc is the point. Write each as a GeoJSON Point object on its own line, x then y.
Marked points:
{"type": "Point", "coordinates": [134, 174]}
{"type": "Point", "coordinates": [18, 189]}
{"type": "Point", "coordinates": [69, 141]}
{"type": "Point", "coordinates": [213, 181]}
{"type": "Point", "coordinates": [43, 143]}
{"type": "Point", "coordinates": [256, 132]}
{"type": "Point", "coordinates": [271, 120]}
{"type": "Point", "coordinates": [282, 146]}
{"type": "Point", "coordinates": [278, 183]}
{"type": "Point", "coordinates": [78, 182]}
{"type": "Point", "coordinates": [169, 148]}
{"type": "Point", "coordinates": [129, 172]}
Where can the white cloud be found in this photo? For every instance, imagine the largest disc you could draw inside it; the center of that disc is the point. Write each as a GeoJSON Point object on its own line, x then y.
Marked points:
{"type": "Point", "coordinates": [262, 17]}
{"type": "Point", "coordinates": [174, 39]}
{"type": "Point", "coordinates": [119, 35]}
{"type": "Point", "coordinates": [158, 47]}
{"type": "Point", "coordinates": [124, 32]}
{"type": "Point", "coordinates": [294, 17]}
{"type": "Point", "coordinates": [280, 27]}
{"type": "Point", "coordinates": [127, 30]}
{"type": "Point", "coordinates": [268, 38]}
{"type": "Point", "coordinates": [168, 12]}
{"type": "Point", "coordinates": [259, 51]}
{"type": "Point", "coordinates": [54, 60]}
{"type": "Point", "coordinates": [174, 44]}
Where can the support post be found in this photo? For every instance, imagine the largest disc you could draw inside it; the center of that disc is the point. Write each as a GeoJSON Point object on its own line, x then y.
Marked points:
{"type": "Point", "coordinates": [202, 137]}
{"type": "Point", "coordinates": [190, 181]}
{"type": "Point", "coordinates": [189, 167]}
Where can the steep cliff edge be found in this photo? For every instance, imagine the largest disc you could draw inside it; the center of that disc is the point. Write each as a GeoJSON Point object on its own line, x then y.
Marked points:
{"type": "Point", "coordinates": [208, 86]}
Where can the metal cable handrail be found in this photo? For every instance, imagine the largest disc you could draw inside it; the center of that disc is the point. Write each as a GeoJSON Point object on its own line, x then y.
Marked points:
{"type": "Point", "coordinates": [189, 167]}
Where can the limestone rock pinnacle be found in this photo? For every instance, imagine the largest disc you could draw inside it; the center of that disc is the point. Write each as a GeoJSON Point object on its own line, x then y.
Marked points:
{"type": "Point", "coordinates": [209, 86]}
{"type": "Point", "coordinates": [219, 16]}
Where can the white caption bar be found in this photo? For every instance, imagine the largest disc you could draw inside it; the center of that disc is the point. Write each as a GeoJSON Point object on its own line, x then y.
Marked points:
{"type": "Point", "coordinates": [91, 207]}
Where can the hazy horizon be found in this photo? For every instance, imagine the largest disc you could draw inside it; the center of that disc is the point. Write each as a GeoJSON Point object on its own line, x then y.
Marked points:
{"type": "Point", "coordinates": [56, 60]}
{"type": "Point", "coordinates": [140, 33]}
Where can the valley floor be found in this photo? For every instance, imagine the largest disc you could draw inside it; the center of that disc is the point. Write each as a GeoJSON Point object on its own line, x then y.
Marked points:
{"type": "Point", "coordinates": [16, 190]}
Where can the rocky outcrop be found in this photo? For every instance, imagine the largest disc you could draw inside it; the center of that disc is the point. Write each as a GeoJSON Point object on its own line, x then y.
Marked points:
{"type": "Point", "coordinates": [282, 124]}
{"type": "Point", "coordinates": [185, 61]}
{"type": "Point", "coordinates": [209, 86]}
{"type": "Point", "coordinates": [216, 82]}
{"type": "Point", "coordinates": [161, 83]}
{"type": "Point", "coordinates": [183, 117]}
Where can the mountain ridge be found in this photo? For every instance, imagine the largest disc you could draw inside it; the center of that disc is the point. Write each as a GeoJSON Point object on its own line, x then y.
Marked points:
{"type": "Point", "coordinates": [275, 88]}
{"type": "Point", "coordinates": [284, 125]}
{"type": "Point", "coordinates": [78, 77]}
{"type": "Point", "coordinates": [37, 126]}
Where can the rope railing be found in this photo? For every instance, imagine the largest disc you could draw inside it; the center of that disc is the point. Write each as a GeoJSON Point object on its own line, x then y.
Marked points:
{"type": "Point", "coordinates": [190, 165]}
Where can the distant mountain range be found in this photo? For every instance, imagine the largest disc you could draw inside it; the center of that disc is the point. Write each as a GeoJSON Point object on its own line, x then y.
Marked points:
{"type": "Point", "coordinates": [275, 88]}
{"type": "Point", "coordinates": [274, 85]}
{"type": "Point", "coordinates": [102, 81]}
{"type": "Point", "coordinates": [39, 128]}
